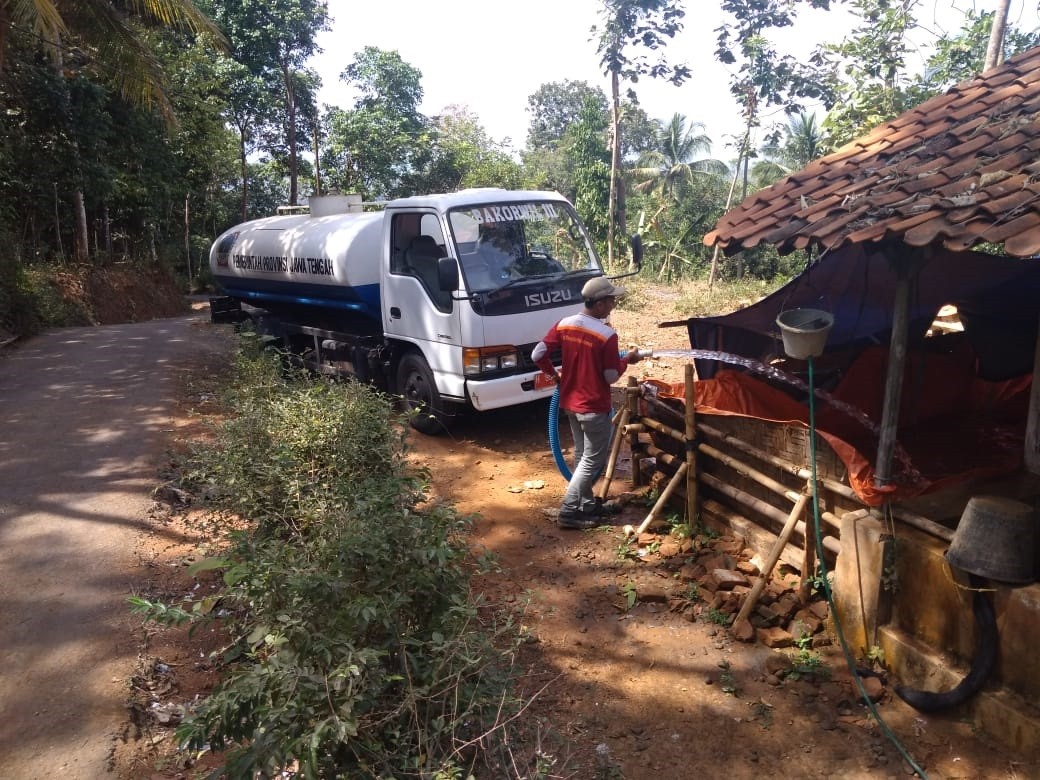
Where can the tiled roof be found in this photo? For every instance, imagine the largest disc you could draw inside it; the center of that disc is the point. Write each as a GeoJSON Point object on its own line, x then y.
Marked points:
{"type": "Point", "coordinates": [957, 170]}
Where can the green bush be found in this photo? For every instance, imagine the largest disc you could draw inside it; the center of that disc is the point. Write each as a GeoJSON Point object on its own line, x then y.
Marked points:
{"type": "Point", "coordinates": [31, 301]}
{"type": "Point", "coordinates": [357, 650]}
{"type": "Point", "coordinates": [18, 311]}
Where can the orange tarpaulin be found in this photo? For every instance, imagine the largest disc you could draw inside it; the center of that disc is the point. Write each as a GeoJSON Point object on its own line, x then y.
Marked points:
{"type": "Point", "coordinates": [953, 426]}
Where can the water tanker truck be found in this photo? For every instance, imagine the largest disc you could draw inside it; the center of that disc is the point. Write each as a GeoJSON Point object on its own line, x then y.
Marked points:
{"type": "Point", "coordinates": [436, 298]}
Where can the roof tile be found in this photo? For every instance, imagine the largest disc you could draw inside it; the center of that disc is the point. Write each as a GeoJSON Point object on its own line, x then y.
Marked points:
{"type": "Point", "coordinates": [1003, 228]}
{"type": "Point", "coordinates": [1027, 242]}
{"type": "Point", "coordinates": [961, 168]}
{"type": "Point", "coordinates": [1012, 202]}
{"type": "Point", "coordinates": [868, 233]}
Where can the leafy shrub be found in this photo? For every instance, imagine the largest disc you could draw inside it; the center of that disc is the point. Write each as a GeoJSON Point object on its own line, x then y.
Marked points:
{"type": "Point", "coordinates": [358, 651]}
{"type": "Point", "coordinates": [296, 451]}
{"type": "Point", "coordinates": [41, 295]}
{"type": "Point", "coordinates": [31, 298]}
{"type": "Point", "coordinates": [18, 311]}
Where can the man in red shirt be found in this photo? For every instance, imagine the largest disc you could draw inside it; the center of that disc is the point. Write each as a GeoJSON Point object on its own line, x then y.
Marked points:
{"type": "Point", "coordinates": [591, 364]}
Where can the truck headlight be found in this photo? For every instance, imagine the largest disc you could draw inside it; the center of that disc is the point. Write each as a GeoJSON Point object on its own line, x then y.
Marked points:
{"type": "Point", "coordinates": [489, 360]}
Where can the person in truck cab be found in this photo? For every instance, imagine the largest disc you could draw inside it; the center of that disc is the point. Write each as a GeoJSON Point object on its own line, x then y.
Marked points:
{"type": "Point", "coordinates": [591, 364]}
{"type": "Point", "coordinates": [499, 247]}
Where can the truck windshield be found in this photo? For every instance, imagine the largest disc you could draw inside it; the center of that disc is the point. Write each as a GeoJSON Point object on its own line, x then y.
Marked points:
{"type": "Point", "coordinates": [507, 243]}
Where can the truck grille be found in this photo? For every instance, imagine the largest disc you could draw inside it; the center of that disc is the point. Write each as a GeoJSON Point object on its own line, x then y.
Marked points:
{"type": "Point", "coordinates": [525, 363]}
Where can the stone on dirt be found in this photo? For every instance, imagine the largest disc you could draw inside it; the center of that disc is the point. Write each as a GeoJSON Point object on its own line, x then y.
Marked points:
{"type": "Point", "coordinates": [766, 616]}
{"type": "Point", "coordinates": [748, 568]}
{"type": "Point", "coordinates": [669, 549]}
{"type": "Point", "coordinates": [821, 609]}
{"type": "Point", "coordinates": [652, 594]}
{"type": "Point", "coordinates": [689, 572]}
{"type": "Point", "coordinates": [874, 688]}
{"type": "Point", "coordinates": [774, 637]}
{"type": "Point", "coordinates": [728, 579]}
{"type": "Point", "coordinates": [778, 664]}
{"type": "Point", "coordinates": [805, 622]}
{"type": "Point", "coordinates": [708, 583]}
{"type": "Point", "coordinates": [786, 606]}
{"type": "Point", "coordinates": [743, 631]}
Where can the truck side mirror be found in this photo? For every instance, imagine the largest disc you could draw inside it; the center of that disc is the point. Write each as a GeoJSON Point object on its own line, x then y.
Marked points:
{"type": "Point", "coordinates": [637, 251]}
{"type": "Point", "coordinates": [447, 273]}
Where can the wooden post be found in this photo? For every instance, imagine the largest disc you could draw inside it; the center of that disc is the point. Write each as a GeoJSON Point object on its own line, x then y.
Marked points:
{"type": "Point", "coordinates": [774, 555]}
{"type": "Point", "coordinates": [808, 560]}
{"type": "Point", "coordinates": [691, 446]}
{"type": "Point", "coordinates": [906, 270]}
{"type": "Point", "coordinates": [661, 502]}
{"type": "Point", "coordinates": [615, 448]}
{"type": "Point", "coordinates": [632, 399]}
{"type": "Point", "coordinates": [1032, 443]}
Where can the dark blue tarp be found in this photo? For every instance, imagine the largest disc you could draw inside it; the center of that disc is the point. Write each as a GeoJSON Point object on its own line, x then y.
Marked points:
{"type": "Point", "coordinates": [998, 299]}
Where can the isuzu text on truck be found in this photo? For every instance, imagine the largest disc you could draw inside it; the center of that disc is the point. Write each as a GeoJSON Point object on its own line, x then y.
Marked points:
{"type": "Point", "coordinates": [438, 298]}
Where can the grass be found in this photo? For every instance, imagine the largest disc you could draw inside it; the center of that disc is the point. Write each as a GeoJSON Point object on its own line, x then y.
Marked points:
{"type": "Point", "coordinates": [718, 617]}
{"type": "Point", "coordinates": [692, 298]}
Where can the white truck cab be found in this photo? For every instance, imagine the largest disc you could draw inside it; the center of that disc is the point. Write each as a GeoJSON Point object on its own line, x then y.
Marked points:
{"type": "Point", "coordinates": [474, 280]}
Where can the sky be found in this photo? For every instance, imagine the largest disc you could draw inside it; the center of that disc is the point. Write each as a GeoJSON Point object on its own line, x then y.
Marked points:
{"type": "Point", "coordinates": [491, 56]}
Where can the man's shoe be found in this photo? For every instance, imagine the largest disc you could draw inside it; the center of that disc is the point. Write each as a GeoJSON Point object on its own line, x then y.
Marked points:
{"type": "Point", "coordinates": [576, 520]}
{"type": "Point", "coordinates": [607, 508]}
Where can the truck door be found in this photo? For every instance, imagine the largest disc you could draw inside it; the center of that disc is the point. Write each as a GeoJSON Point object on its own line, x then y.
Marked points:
{"type": "Point", "coordinates": [414, 307]}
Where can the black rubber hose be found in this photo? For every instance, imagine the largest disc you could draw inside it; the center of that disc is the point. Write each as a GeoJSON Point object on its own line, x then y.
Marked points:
{"type": "Point", "coordinates": [986, 640]}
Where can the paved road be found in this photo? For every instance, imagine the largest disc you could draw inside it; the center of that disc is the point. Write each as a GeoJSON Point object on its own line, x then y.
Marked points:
{"type": "Point", "coordinates": [84, 421]}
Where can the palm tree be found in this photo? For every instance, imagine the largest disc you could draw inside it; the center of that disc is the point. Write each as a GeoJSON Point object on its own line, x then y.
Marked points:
{"type": "Point", "coordinates": [674, 163]}
{"type": "Point", "coordinates": [803, 142]}
{"type": "Point", "coordinates": [103, 38]}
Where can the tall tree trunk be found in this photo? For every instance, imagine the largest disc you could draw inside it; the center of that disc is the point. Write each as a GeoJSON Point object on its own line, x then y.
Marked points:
{"type": "Point", "coordinates": [317, 163]}
{"type": "Point", "coordinates": [81, 238]}
{"type": "Point", "coordinates": [744, 192]}
{"type": "Point", "coordinates": [57, 224]}
{"type": "Point", "coordinates": [81, 245]}
{"type": "Point", "coordinates": [615, 163]}
{"type": "Point", "coordinates": [290, 133]}
{"type": "Point", "coordinates": [995, 48]}
{"type": "Point", "coordinates": [187, 234]}
{"type": "Point", "coordinates": [107, 216]}
{"type": "Point", "coordinates": [744, 144]}
{"type": "Point", "coordinates": [5, 32]}
{"type": "Point", "coordinates": [245, 172]}
{"type": "Point", "coordinates": [622, 215]}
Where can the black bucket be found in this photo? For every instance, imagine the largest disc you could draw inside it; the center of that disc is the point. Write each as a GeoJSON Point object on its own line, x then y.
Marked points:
{"type": "Point", "coordinates": [996, 539]}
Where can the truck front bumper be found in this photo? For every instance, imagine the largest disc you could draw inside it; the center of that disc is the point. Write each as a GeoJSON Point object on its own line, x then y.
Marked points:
{"type": "Point", "coordinates": [507, 391]}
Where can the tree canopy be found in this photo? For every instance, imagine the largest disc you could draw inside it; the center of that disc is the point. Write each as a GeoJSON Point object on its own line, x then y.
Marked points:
{"type": "Point", "coordinates": [140, 131]}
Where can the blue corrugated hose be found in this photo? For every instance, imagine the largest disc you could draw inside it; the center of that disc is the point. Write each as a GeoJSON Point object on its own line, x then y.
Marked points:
{"type": "Point", "coordinates": [554, 434]}
{"type": "Point", "coordinates": [554, 427]}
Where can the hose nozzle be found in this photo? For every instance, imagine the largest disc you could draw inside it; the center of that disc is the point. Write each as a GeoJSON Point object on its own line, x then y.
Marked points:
{"type": "Point", "coordinates": [643, 354]}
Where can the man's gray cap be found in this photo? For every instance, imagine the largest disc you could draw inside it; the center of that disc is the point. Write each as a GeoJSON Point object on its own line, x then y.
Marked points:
{"type": "Point", "coordinates": [599, 288]}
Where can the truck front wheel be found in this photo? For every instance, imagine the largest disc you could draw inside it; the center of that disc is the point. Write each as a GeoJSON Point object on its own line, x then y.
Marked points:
{"type": "Point", "coordinates": [417, 387]}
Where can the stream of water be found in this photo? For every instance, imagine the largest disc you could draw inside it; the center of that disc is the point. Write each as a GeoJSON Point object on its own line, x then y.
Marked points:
{"type": "Point", "coordinates": [772, 372]}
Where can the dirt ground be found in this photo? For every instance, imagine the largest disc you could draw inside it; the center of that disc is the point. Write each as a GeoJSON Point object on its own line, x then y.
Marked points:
{"type": "Point", "coordinates": [627, 676]}
{"type": "Point", "coordinates": [640, 680]}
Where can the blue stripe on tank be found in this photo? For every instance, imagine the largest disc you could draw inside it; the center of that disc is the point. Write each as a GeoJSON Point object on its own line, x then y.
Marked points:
{"type": "Point", "coordinates": [363, 299]}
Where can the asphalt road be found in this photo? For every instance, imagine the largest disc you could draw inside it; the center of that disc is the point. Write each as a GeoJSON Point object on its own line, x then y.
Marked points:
{"type": "Point", "coordinates": [85, 415]}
